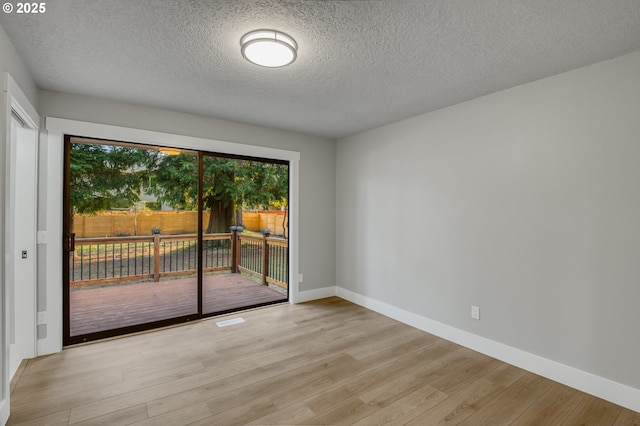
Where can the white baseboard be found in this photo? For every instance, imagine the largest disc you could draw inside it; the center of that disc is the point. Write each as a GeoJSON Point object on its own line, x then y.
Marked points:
{"type": "Point", "coordinates": [49, 346]}
{"type": "Point", "coordinates": [319, 293]}
{"type": "Point", "coordinates": [601, 387]}
{"type": "Point", "coordinates": [13, 362]}
{"type": "Point", "coordinates": [4, 412]}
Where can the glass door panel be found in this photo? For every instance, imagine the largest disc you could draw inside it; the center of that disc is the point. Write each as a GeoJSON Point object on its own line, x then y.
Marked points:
{"type": "Point", "coordinates": [132, 237]}
{"type": "Point", "coordinates": [244, 263]}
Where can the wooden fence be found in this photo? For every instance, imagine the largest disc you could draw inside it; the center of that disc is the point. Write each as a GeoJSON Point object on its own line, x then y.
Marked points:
{"type": "Point", "coordinates": [121, 224]}
{"type": "Point", "coordinates": [97, 261]}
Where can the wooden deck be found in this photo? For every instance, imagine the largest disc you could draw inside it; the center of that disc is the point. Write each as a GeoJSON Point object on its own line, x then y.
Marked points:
{"type": "Point", "coordinates": [106, 308]}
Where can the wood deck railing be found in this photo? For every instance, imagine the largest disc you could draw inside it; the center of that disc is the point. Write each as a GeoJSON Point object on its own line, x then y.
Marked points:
{"type": "Point", "coordinates": [263, 257]}
{"type": "Point", "coordinates": [113, 259]}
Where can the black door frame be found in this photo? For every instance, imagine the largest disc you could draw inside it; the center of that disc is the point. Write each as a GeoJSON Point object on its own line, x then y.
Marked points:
{"type": "Point", "coordinates": [68, 242]}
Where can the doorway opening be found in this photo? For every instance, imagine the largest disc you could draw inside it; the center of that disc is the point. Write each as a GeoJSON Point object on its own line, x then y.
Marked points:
{"type": "Point", "coordinates": [21, 239]}
{"type": "Point", "coordinates": [156, 236]}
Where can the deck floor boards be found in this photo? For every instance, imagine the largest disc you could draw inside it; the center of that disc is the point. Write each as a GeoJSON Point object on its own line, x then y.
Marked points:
{"type": "Point", "coordinates": [112, 307]}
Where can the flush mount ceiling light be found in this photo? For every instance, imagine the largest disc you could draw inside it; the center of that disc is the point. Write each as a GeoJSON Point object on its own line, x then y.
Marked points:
{"type": "Point", "coordinates": [269, 48]}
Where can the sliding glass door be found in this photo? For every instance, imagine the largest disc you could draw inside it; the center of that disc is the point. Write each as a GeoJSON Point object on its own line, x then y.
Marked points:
{"type": "Point", "coordinates": [156, 236]}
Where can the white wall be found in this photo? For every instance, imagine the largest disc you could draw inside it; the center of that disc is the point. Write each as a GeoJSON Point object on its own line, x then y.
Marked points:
{"type": "Point", "coordinates": [9, 62]}
{"type": "Point", "coordinates": [525, 202]}
{"type": "Point", "coordinates": [317, 166]}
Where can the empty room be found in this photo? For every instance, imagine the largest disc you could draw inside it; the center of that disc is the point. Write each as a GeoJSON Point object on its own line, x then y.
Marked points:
{"type": "Point", "coordinates": [404, 212]}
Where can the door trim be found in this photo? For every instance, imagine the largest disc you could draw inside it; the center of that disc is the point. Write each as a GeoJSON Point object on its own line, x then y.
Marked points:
{"type": "Point", "coordinates": [53, 158]}
{"type": "Point", "coordinates": [22, 158]}
{"type": "Point", "coordinates": [14, 99]}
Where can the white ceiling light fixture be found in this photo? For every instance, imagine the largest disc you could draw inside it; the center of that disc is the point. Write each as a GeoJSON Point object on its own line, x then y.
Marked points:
{"type": "Point", "coordinates": [269, 48]}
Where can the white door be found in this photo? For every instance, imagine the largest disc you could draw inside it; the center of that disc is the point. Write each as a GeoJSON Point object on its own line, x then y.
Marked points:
{"type": "Point", "coordinates": [22, 242]}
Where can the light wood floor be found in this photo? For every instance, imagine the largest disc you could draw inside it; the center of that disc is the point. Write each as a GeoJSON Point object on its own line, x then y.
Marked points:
{"type": "Point", "coordinates": [324, 362]}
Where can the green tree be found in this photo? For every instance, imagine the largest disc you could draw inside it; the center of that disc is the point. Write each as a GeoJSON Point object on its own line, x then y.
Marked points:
{"type": "Point", "coordinates": [108, 176]}
{"type": "Point", "coordinates": [104, 177]}
{"type": "Point", "coordinates": [268, 187]}
{"type": "Point", "coordinates": [228, 186]}
{"type": "Point", "coordinates": [267, 184]}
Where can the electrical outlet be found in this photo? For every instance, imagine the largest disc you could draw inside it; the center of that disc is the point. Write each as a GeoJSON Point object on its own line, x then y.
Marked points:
{"type": "Point", "coordinates": [42, 318]}
{"type": "Point", "coordinates": [475, 312]}
{"type": "Point", "coordinates": [300, 278]}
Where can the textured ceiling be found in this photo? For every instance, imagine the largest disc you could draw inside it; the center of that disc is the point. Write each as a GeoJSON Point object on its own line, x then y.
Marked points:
{"type": "Point", "coordinates": [361, 64]}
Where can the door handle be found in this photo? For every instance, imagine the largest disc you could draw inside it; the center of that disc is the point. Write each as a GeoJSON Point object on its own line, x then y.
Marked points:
{"type": "Point", "coordinates": [71, 242]}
